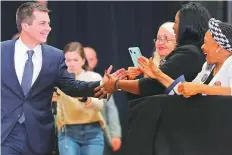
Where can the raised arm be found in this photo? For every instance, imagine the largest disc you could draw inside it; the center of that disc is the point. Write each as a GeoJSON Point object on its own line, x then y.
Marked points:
{"type": "Point", "coordinates": [185, 61]}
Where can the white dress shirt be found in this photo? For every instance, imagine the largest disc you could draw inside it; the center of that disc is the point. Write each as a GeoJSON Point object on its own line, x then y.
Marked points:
{"type": "Point", "coordinates": [21, 56]}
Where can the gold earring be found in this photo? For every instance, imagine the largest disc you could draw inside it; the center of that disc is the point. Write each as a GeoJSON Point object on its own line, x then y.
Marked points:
{"type": "Point", "coordinates": [217, 50]}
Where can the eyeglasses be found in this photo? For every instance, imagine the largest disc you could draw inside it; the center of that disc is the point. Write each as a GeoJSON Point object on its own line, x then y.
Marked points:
{"type": "Point", "coordinates": [163, 40]}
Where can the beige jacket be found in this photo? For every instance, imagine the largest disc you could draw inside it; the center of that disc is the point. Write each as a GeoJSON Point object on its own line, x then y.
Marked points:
{"type": "Point", "coordinates": [71, 111]}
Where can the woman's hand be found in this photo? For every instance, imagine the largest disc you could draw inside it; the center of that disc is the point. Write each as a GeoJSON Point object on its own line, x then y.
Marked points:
{"type": "Point", "coordinates": [133, 72]}
{"type": "Point", "coordinates": [188, 89]}
{"type": "Point", "coordinates": [148, 67]}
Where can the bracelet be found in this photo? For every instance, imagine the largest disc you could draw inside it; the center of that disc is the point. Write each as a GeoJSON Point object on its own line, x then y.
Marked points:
{"type": "Point", "coordinates": [116, 85]}
{"type": "Point", "coordinates": [83, 99]}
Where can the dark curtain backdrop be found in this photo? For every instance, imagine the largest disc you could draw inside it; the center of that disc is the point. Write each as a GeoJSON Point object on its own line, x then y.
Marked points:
{"type": "Point", "coordinates": [109, 27]}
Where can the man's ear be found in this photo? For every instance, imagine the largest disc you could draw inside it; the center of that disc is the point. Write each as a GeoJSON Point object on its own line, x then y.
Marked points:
{"type": "Point", "coordinates": [24, 26]}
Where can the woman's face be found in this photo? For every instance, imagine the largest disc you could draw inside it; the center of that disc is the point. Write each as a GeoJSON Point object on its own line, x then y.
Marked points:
{"type": "Point", "coordinates": [176, 25]}
{"type": "Point", "coordinates": [165, 42]}
{"type": "Point", "coordinates": [209, 48]}
{"type": "Point", "coordinates": [74, 62]}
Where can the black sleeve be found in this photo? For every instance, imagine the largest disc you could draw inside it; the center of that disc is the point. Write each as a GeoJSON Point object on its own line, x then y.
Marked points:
{"type": "Point", "coordinates": [184, 61]}
{"type": "Point", "coordinates": [131, 96]}
{"type": "Point", "coordinates": [75, 88]}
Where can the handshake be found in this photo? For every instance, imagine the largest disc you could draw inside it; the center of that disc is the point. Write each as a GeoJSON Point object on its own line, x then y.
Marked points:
{"type": "Point", "coordinates": [109, 84]}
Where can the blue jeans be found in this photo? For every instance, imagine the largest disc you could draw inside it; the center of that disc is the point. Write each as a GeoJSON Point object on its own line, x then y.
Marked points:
{"type": "Point", "coordinates": [81, 139]}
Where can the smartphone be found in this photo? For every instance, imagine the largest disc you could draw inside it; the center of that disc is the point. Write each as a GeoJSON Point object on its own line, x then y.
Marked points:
{"type": "Point", "coordinates": [135, 53]}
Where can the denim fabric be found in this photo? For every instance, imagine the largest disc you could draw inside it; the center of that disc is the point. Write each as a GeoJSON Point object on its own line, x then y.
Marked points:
{"type": "Point", "coordinates": [81, 139]}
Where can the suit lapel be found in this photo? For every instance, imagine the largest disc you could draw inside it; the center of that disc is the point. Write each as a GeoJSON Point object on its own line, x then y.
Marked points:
{"type": "Point", "coordinates": [9, 76]}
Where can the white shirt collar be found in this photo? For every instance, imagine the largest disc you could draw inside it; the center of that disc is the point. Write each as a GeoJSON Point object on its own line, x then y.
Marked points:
{"type": "Point", "coordinates": [37, 50]}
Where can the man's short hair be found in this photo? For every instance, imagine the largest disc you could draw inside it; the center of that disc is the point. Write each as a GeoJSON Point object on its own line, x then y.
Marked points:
{"type": "Point", "coordinates": [25, 13]}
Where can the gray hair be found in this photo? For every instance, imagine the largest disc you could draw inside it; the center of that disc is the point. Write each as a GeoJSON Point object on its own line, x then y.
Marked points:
{"type": "Point", "coordinates": [169, 27]}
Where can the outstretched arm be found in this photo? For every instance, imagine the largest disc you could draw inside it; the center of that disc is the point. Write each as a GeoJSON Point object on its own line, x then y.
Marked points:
{"type": "Point", "coordinates": [75, 88]}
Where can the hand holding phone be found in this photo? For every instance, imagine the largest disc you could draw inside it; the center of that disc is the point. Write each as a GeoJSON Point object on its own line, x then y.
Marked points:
{"type": "Point", "coordinates": [135, 53]}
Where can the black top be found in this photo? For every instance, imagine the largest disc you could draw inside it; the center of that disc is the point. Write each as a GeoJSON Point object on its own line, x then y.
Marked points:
{"type": "Point", "coordinates": [185, 60]}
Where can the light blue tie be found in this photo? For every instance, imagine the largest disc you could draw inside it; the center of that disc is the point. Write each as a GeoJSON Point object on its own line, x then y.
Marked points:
{"type": "Point", "coordinates": [27, 78]}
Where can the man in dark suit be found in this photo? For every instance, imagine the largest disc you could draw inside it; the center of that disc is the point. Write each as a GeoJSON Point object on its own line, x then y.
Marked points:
{"type": "Point", "coordinates": [30, 71]}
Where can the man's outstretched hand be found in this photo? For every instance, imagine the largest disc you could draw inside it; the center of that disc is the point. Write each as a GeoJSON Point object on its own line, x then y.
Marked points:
{"type": "Point", "coordinates": [107, 86]}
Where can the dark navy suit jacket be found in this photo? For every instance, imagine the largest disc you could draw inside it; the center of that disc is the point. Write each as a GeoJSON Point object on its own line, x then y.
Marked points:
{"type": "Point", "coordinates": [36, 105]}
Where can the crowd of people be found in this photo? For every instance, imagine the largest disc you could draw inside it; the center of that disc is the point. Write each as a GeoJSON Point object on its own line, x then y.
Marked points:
{"type": "Point", "coordinates": [195, 46]}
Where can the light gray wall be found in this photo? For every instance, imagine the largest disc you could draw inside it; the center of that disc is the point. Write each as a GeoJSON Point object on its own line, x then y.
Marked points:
{"type": "Point", "coordinates": [229, 12]}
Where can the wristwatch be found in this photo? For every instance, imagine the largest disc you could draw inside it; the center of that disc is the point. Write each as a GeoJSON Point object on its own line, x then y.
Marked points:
{"type": "Point", "coordinates": [117, 85]}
